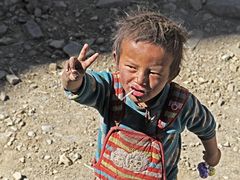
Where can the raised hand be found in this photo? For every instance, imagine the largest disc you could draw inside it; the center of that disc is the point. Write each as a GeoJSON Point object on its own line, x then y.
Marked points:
{"type": "Point", "coordinates": [75, 68]}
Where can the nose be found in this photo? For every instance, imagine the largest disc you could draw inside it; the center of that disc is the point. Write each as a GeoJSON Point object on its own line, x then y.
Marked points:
{"type": "Point", "coordinates": [142, 78]}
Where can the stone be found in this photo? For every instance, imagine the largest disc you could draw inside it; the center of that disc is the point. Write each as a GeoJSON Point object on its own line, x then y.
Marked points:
{"type": "Point", "coordinates": [33, 29]}
{"type": "Point", "coordinates": [49, 141]}
{"type": "Point", "coordinates": [2, 74]}
{"type": "Point", "coordinates": [63, 159]}
{"type": "Point", "coordinates": [226, 57]}
{"type": "Point", "coordinates": [46, 157]}
{"type": "Point", "coordinates": [52, 67]}
{"type": "Point", "coordinates": [17, 176]}
{"type": "Point", "coordinates": [57, 44]}
{"type": "Point", "coordinates": [37, 12]}
{"type": "Point", "coordinates": [100, 40]}
{"type": "Point", "coordinates": [3, 29]}
{"type": "Point", "coordinates": [22, 159]}
{"type": "Point", "coordinates": [6, 41]}
{"type": "Point", "coordinates": [227, 144]}
{"type": "Point", "coordinates": [3, 96]}
{"type": "Point", "coordinates": [196, 4]}
{"type": "Point", "coordinates": [12, 79]}
{"type": "Point", "coordinates": [94, 18]}
{"type": "Point", "coordinates": [47, 129]}
{"type": "Point", "coordinates": [223, 8]}
{"type": "Point", "coordinates": [31, 134]}
{"type": "Point", "coordinates": [72, 49]}
{"type": "Point", "coordinates": [113, 3]}
{"type": "Point", "coordinates": [220, 102]}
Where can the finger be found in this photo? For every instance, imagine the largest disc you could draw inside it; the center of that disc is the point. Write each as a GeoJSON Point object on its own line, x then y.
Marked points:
{"type": "Point", "coordinates": [89, 61]}
{"type": "Point", "coordinates": [66, 66]}
{"type": "Point", "coordinates": [83, 52]}
{"type": "Point", "coordinates": [74, 75]}
{"type": "Point", "coordinates": [72, 63]}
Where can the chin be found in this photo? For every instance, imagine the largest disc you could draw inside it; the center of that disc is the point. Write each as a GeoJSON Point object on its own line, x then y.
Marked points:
{"type": "Point", "coordinates": [137, 100]}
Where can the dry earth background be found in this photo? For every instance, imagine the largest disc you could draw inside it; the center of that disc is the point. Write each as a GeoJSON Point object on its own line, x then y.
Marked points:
{"type": "Point", "coordinates": [44, 136]}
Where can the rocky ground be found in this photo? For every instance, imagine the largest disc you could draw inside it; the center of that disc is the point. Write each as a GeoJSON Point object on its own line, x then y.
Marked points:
{"type": "Point", "coordinates": [45, 136]}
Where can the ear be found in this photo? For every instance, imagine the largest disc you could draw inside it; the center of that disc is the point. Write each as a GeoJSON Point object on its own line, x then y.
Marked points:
{"type": "Point", "coordinates": [114, 56]}
{"type": "Point", "coordinates": [115, 59]}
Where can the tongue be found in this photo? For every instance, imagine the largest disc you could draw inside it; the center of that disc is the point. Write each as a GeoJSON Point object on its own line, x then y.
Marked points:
{"type": "Point", "coordinates": [138, 93]}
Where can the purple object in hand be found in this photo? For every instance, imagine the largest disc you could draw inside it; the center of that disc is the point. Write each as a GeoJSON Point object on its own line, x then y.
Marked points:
{"type": "Point", "coordinates": [203, 170]}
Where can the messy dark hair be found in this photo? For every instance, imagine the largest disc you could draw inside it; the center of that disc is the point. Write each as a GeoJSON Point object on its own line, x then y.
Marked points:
{"type": "Point", "coordinates": [154, 28]}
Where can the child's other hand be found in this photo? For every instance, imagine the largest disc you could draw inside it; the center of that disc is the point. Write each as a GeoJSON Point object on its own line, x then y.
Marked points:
{"type": "Point", "coordinates": [212, 159]}
{"type": "Point", "coordinates": [75, 68]}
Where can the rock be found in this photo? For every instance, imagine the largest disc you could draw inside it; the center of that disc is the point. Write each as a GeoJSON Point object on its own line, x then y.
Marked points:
{"type": "Point", "coordinates": [72, 49]}
{"type": "Point", "coordinates": [75, 157]}
{"type": "Point", "coordinates": [3, 96]}
{"type": "Point", "coordinates": [2, 74]}
{"type": "Point", "coordinates": [235, 149]}
{"type": "Point", "coordinates": [47, 129]}
{"type": "Point", "coordinates": [17, 176]}
{"type": "Point", "coordinates": [11, 2]}
{"type": "Point", "coordinates": [31, 134]}
{"type": "Point", "coordinates": [170, 6]}
{"type": "Point", "coordinates": [3, 116]}
{"type": "Point", "coordinates": [220, 102]}
{"type": "Point", "coordinates": [52, 67]}
{"type": "Point", "coordinates": [100, 40]}
{"type": "Point", "coordinates": [37, 12]}
{"type": "Point", "coordinates": [6, 41]}
{"type": "Point", "coordinates": [230, 8]}
{"type": "Point", "coordinates": [22, 160]}
{"type": "Point", "coordinates": [60, 4]}
{"type": "Point", "coordinates": [33, 29]}
{"type": "Point", "coordinates": [57, 44]}
{"type": "Point", "coordinates": [63, 159]}
{"type": "Point", "coordinates": [113, 3]}
{"type": "Point", "coordinates": [227, 144]}
{"type": "Point", "coordinates": [230, 88]}
{"type": "Point", "coordinates": [226, 57]}
{"type": "Point", "coordinates": [12, 79]}
{"type": "Point", "coordinates": [33, 86]}
{"type": "Point", "coordinates": [3, 29]}
{"type": "Point", "coordinates": [49, 141]}
{"type": "Point", "coordinates": [196, 4]}
{"type": "Point", "coordinates": [46, 157]}
{"type": "Point", "coordinates": [94, 18]}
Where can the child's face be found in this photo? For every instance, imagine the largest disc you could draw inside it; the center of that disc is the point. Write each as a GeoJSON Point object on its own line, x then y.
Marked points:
{"type": "Point", "coordinates": [144, 68]}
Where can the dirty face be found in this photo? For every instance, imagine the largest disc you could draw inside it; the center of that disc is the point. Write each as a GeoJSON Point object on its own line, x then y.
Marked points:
{"type": "Point", "coordinates": [144, 69]}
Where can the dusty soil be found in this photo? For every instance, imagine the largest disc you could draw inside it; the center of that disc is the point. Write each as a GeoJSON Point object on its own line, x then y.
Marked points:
{"type": "Point", "coordinates": [45, 136]}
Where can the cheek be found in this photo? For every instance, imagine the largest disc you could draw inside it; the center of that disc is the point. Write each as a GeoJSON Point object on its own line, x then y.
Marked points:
{"type": "Point", "coordinates": [157, 83]}
{"type": "Point", "coordinates": [126, 77]}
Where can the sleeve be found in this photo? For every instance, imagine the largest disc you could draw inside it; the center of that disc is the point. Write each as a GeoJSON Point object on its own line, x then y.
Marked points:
{"type": "Point", "coordinates": [198, 119]}
{"type": "Point", "coordinates": [95, 90]}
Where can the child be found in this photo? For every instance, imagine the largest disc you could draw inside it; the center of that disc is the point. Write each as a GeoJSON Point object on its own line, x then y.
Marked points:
{"type": "Point", "coordinates": [143, 112]}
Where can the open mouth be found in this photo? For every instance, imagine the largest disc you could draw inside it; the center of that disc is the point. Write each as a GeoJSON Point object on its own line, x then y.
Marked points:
{"type": "Point", "coordinates": [137, 92]}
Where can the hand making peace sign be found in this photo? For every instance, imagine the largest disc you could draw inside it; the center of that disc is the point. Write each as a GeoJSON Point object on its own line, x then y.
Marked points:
{"type": "Point", "coordinates": [75, 68]}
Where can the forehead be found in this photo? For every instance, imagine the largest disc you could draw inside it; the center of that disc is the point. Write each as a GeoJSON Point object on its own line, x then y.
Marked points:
{"type": "Point", "coordinates": [143, 50]}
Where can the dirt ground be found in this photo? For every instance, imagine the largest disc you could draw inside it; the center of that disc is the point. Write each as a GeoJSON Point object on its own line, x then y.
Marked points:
{"type": "Point", "coordinates": [44, 136]}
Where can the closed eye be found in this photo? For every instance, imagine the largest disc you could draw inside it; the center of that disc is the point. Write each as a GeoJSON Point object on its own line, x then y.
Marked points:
{"type": "Point", "coordinates": [131, 67]}
{"type": "Point", "coordinates": [155, 73]}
